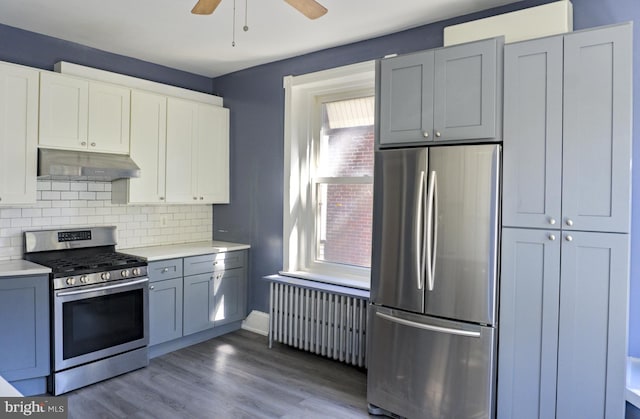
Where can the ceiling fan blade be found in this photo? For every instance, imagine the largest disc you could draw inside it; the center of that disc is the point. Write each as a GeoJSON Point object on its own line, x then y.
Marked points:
{"type": "Point", "coordinates": [310, 8]}
{"type": "Point", "coordinates": [205, 7]}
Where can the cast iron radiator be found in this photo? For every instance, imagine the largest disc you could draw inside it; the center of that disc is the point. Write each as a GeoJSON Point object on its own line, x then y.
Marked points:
{"type": "Point", "coordinates": [325, 323]}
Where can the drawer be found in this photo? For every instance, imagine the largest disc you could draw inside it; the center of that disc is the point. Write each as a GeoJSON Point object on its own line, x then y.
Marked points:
{"type": "Point", "coordinates": [165, 269]}
{"type": "Point", "coordinates": [215, 262]}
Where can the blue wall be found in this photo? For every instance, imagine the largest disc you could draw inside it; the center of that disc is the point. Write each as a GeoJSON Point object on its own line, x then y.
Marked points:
{"type": "Point", "coordinates": [35, 50]}
{"type": "Point", "coordinates": [256, 99]}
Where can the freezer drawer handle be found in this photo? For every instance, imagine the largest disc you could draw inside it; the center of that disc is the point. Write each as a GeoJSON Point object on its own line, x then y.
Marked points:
{"type": "Point", "coordinates": [432, 328]}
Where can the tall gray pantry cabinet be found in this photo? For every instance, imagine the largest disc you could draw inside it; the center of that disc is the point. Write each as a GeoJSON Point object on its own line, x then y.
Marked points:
{"type": "Point", "coordinates": [566, 209]}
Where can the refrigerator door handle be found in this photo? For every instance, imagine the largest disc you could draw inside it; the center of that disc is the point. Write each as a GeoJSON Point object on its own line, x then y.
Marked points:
{"type": "Point", "coordinates": [430, 228]}
{"type": "Point", "coordinates": [434, 239]}
{"type": "Point", "coordinates": [429, 327]}
{"type": "Point", "coordinates": [420, 255]}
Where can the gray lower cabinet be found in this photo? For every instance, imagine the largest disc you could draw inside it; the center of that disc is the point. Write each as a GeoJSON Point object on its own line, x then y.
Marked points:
{"type": "Point", "coordinates": [563, 310]}
{"type": "Point", "coordinates": [214, 290]}
{"type": "Point", "coordinates": [165, 310]}
{"type": "Point", "coordinates": [24, 327]}
{"type": "Point", "coordinates": [567, 131]}
{"type": "Point", "coordinates": [194, 294]}
{"type": "Point", "coordinates": [451, 93]}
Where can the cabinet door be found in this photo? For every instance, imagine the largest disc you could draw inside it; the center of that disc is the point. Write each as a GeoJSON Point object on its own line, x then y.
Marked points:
{"type": "Point", "coordinates": [406, 98]}
{"type": "Point", "coordinates": [467, 91]}
{"type": "Point", "coordinates": [148, 147]}
{"type": "Point", "coordinates": [213, 154]}
{"type": "Point", "coordinates": [19, 134]}
{"type": "Point", "coordinates": [528, 341]}
{"type": "Point", "coordinates": [597, 129]}
{"type": "Point", "coordinates": [182, 131]}
{"type": "Point", "coordinates": [198, 303]}
{"type": "Point", "coordinates": [532, 133]}
{"type": "Point", "coordinates": [593, 325]}
{"type": "Point", "coordinates": [64, 102]}
{"type": "Point", "coordinates": [230, 296]}
{"type": "Point", "coordinates": [24, 321]}
{"type": "Point", "coordinates": [165, 310]}
{"type": "Point", "coordinates": [109, 114]}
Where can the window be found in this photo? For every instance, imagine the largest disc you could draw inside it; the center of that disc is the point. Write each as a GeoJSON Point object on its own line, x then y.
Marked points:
{"type": "Point", "coordinates": [329, 143]}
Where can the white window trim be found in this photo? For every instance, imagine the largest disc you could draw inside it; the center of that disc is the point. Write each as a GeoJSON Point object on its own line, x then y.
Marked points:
{"type": "Point", "coordinates": [299, 129]}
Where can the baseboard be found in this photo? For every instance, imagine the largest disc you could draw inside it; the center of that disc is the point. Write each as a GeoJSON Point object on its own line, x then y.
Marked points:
{"type": "Point", "coordinates": [257, 322]}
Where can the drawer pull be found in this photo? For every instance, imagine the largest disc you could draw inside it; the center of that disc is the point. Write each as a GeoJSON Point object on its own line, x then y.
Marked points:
{"type": "Point", "coordinates": [165, 270]}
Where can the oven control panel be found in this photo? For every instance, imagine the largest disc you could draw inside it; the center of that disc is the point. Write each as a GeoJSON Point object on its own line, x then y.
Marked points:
{"type": "Point", "coordinates": [99, 277]}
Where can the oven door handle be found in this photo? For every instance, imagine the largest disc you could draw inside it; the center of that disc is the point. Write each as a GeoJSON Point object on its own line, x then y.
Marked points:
{"type": "Point", "coordinates": [106, 287]}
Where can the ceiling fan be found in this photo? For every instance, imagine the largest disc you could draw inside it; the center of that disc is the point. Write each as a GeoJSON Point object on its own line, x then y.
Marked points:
{"type": "Point", "coordinates": [310, 8]}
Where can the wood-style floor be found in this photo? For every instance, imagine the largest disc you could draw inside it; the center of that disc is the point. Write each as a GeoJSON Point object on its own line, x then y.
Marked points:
{"type": "Point", "coordinates": [232, 376]}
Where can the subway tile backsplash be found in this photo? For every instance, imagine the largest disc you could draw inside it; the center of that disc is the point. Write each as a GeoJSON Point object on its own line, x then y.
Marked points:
{"type": "Point", "coordinates": [71, 204]}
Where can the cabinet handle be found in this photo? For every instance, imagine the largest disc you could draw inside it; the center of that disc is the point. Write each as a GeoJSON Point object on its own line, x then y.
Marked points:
{"type": "Point", "coordinates": [165, 270]}
{"type": "Point", "coordinates": [215, 263]}
{"type": "Point", "coordinates": [162, 198]}
{"type": "Point", "coordinates": [425, 134]}
{"type": "Point", "coordinates": [151, 287]}
{"type": "Point", "coordinates": [438, 134]}
{"type": "Point", "coordinates": [201, 198]}
{"type": "Point", "coordinates": [93, 144]}
{"type": "Point", "coordinates": [195, 198]}
{"type": "Point", "coordinates": [569, 222]}
{"type": "Point", "coordinates": [84, 143]}
{"type": "Point", "coordinates": [569, 238]}
{"type": "Point", "coordinates": [552, 221]}
{"type": "Point", "coordinates": [552, 237]}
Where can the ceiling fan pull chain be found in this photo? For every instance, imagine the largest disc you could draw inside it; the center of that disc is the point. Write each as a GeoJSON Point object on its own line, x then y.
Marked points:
{"type": "Point", "coordinates": [233, 39]}
{"type": "Point", "coordinates": [246, 11]}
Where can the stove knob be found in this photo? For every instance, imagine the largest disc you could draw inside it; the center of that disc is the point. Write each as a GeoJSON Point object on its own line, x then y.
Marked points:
{"type": "Point", "coordinates": [84, 279]}
{"type": "Point", "coordinates": [124, 273]}
{"type": "Point", "coordinates": [70, 281]}
{"type": "Point", "coordinates": [105, 276]}
{"type": "Point", "coordinates": [136, 271]}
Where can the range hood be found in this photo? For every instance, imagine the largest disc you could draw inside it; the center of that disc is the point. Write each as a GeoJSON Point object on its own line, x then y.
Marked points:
{"type": "Point", "coordinates": [82, 165]}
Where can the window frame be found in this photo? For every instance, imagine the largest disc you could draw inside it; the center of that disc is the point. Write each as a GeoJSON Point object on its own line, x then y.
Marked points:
{"type": "Point", "coordinates": [302, 126]}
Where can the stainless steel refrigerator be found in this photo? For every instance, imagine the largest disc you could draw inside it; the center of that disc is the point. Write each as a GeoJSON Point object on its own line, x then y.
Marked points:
{"type": "Point", "coordinates": [433, 312]}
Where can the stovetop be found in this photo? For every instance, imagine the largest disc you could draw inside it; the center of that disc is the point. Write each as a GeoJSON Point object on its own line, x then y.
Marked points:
{"type": "Point", "coordinates": [67, 265]}
{"type": "Point", "coordinates": [82, 257]}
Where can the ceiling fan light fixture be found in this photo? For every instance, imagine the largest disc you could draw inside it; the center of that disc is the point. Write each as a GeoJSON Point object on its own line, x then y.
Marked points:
{"type": "Point", "coordinates": [310, 8]}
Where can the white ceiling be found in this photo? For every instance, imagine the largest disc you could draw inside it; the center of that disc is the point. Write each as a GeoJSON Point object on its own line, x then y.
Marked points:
{"type": "Point", "coordinates": [165, 32]}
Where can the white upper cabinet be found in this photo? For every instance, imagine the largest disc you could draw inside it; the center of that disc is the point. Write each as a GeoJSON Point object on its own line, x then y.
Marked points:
{"type": "Point", "coordinates": [77, 114]}
{"type": "Point", "coordinates": [148, 150]}
{"type": "Point", "coordinates": [18, 134]}
{"type": "Point", "coordinates": [213, 154]}
{"type": "Point", "coordinates": [108, 129]}
{"type": "Point", "coordinates": [197, 152]}
{"type": "Point", "coordinates": [64, 105]}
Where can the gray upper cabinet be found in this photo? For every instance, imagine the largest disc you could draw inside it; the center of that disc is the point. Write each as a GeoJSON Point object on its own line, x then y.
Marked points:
{"type": "Point", "coordinates": [593, 325]}
{"type": "Point", "coordinates": [596, 173]}
{"type": "Point", "coordinates": [406, 98]}
{"type": "Point", "coordinates": [447, 94]}
{"type": "Point", "coordinates": [532, 148]}
{"type": "Point", "coordinates": [467, 93]}
{"type": "Point", "coordinates": [567, 131]}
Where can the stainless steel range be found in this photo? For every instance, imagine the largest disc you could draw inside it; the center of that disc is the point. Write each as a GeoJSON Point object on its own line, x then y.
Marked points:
{"type": "Point", "coordinates": [99, 305]}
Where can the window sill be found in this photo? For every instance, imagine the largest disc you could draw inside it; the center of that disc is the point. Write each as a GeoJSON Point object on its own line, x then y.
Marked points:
{"type": "Point", "coordinates": [319, 282]}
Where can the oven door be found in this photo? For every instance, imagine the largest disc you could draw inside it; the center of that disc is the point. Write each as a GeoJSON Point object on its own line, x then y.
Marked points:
{"type": "Point", "coordinates": [97, 322]}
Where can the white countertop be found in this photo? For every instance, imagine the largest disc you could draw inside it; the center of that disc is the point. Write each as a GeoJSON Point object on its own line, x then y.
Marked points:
{"type": "Point", "coordinates": [21, 267]}
{"type": "Point", "coordinates": [7, 390]}
{"type": "Point", "coordinates": [172, 251]}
